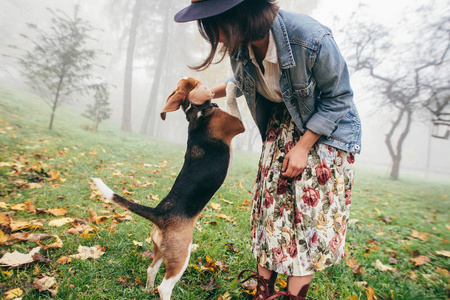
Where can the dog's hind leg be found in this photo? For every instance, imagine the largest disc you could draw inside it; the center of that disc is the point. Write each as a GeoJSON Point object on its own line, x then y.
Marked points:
{"type": "Point", "coordinates": [174, 270]}
{"type": "Point", "coordinates": [152, 271]}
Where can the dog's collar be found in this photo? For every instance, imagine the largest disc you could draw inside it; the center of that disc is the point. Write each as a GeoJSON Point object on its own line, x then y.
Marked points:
{"type": "Point", "coordinates": [192, 110]}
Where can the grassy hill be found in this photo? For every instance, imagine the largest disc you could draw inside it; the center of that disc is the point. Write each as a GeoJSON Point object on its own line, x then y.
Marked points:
{"type": "Point", "coordinates": [397, 245]}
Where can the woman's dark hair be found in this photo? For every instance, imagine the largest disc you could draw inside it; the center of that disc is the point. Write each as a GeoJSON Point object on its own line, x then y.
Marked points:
{"type": "Point", "coordinates": [249, 21]}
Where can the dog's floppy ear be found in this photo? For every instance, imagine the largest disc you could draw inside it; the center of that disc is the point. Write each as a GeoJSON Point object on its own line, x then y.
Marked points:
{"type": "Point", "coordinates": [174, 101]}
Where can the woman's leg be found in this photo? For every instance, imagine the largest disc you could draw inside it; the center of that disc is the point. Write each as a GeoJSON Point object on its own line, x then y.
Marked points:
{"type": "Point", "coordinates": [299, 283]}
{"type": "Point", "coordinates": [269, 275]}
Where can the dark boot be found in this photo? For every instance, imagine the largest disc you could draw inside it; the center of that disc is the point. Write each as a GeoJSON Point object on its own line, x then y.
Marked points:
{"type": "Point", "coordinates": [288, 296]}
{"type": "Point", "coordinates": [264, 287]}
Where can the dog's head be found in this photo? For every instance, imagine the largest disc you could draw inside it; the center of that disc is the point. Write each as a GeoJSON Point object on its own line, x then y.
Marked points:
{"type": "Point", "coordinates": [188, 89]}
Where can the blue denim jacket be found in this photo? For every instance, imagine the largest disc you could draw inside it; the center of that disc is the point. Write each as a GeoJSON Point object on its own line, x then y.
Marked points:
{"type": "Point", "coordinates": [314, 82]}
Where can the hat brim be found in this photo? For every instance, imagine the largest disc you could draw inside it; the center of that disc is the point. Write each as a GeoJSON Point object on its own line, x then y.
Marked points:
{"type": "Point", "coordinates": [204, 9]}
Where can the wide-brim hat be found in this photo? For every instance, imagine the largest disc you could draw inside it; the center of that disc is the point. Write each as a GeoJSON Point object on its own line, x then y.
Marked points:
{"type": "Point", "coordinates": [201, 9]}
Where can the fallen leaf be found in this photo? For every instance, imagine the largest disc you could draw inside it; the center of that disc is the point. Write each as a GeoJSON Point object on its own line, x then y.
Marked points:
{"type": "Point", "coordinates": [60, 222]}
{"type": "Point", "coordinates": [4, 205]}
{"type": "Point", "coordinates": [412, 275]}
{"type": "Point", "coordinates": [351, 263]}
{"type": "Point", "coordinates": [63, 260]}
{"type": "Point", "coordinates": [136, 243]}
{"type": "Point", "coordinates": [225, 296]}
{"type": "Point", "coordinates": [443, 253]}
{"type": "Point", "coordinates": [3, 237]}
{"type": "Point", "coordinates": [148, 254]}
{"type": "Point", "coordinates": [420, 260]}
{"type": "Point", "coordinates": [222, 216]}
{"type": "Point", "coordinates": [230, 247]}
{"type": "Point", "coordinates": [16, 258]}
{"type": "Point", "coordinates": [12, 294]}
{"type": "Point", "coordinates": [19, 207]}
{"type": "Point", "coordinates": [443, 272]}
{"type": "Point", "coordinates": [57, 211]}
{"type": "Point", "coordinates": [418, 235]}
{"type": "Point", "coordinates": [40, 258]}
{"type": "Point", "coordinates": [210, 285]}
{"type": "Point", "coordinates": [96, 219]}
{"type": "Point", "coordinates": [88, 252]}
{"type": "Point", "coordinates": [215, 206]}
{"type": "Point", "coordinates": [370, 293]}
{"type": "Point", "coordinates": [80, 229]}
{"type": "Point", "coordinates": [46, 284]}
{"type": "Point", "coordinates": [16, 225]}
{"type": "Point", "coordinates": [379, 265]}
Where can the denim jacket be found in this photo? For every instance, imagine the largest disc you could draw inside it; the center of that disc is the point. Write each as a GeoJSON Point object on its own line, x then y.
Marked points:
{"type": "Point", "coordinates": [314, 82]}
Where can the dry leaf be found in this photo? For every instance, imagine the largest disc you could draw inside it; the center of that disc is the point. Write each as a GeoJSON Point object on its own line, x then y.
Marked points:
{"type": "Point", "coordinates": [16, 258]}
{"type": "Point", "coordinates": [379, 265]}
{"type": "Point", "coordinates": [5, 220]}
{"type": "Point", "coordinates": [420, 260]}
{"type": "Point", "coordinates": [443, 253]}
{"type": "Point", "coordinates": [80, 229]}
{"type": "Point", "coordinates": [57, 211]}
{"type": "Point", "coordinates": [225, 296]}
{"type": "Point", "coordinates": [215, 206]}
{"type": "Point", "coordinates": [412, 275]}
{"type": "Point", "coordinates": [418, 235]}
{"type": "Point", "coordinates": [60, 222]}
{"type": "Point", "coordinates": [3, 237]}
{"type": "Point", "coordinates": [136, 243]}
{"type": "Point", "coordinates": [88, 252]}
{"type": "Point", "coordinates": [19, 207]}
{"type": "Point", "coordinates": [96, 219]}
{"type": "Point", "coordinates": [4, 205]}
{"type": "Point", "coordinates": [63, 260]}
{"type": "Point", "coordinates": [12, 294]}
{"type": "Point", "coordinates": [19, 225]}
{"type": "Point", "coordinates": [351, 263]}
{"type": "Point", "coordinates": [46, 284]}
{"type": "Point", "coordinates": [370, 294]}
{"type": "Point", "coordinates": [222, 216]}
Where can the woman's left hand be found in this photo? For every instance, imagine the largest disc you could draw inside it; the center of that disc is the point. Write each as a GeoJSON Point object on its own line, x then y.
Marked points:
{"type": "Point", "coordinates": [297, 158]}
{"type": "Point", "coordinates": [295, 162]}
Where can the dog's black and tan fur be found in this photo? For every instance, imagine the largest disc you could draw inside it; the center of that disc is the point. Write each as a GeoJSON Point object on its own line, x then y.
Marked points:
{"type": "Point", "coordinates": [206, 164]}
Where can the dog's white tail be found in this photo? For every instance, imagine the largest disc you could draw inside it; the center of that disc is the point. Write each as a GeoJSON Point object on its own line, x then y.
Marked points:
{"type": "Point", "coordinates": [106, 191]}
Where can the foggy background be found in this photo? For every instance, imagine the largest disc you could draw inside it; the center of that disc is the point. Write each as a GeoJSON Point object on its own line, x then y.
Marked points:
{"type": "Point", "coordinates": [402, 37]}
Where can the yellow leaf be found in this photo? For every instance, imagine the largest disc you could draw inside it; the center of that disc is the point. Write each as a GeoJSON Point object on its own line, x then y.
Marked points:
{"type": "Point", "coordinates": [421, 236]}
{"type": "Point", "coordinates": [136, 243]}
{"type": "Point", "coordinates": [6, 273]}
{"type": "Point", "coordinates": [380, 233]}
{"type": "Point", "coordinates": [379, 265]}
{"type": "Point", "coordinates": [3, 237]}
{"type": "Point", "coordinates": [353, 297]}
{"type": "Point", "coordinates": [63, 260]}
{"type": "Point", "coordinates": [88, 252]}
{"type": "Point", "coordinates": [19, 207]}
{"type": "Point", "coordinates": [57, 211]}
{"type": "Point", "coordinates": [54, 175]}
{"type": "Point", "coordinates": [4, 205]}
{"type": "Point", "coordinates": [19, 225]}
{"type": "Point", "coordinates": [60, 222]}
{"type": "Point", "coordinates": [222, 216]}
{"type": "Point", "coordinates": [215, 206]}
{"type": "Point", "coordinates": [370, 294]}
{"type": "Point", "coordinates": [420, 260]}
{"type": "Point", "coordinates": [4, 220]}
{"type": "Point", "coordinates": [15, 293]}
{"type": "Point", "coordinates": [443, 253]}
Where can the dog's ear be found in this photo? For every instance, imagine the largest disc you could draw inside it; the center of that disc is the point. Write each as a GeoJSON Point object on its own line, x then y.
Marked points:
{"type": "Point", "coordinates": [174, 101]}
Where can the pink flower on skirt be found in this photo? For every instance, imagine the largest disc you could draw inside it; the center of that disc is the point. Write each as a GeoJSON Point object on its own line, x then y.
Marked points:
{"type": "Point", "coordinates": [279, 256]}
{"type": "Point", "coordinates": [282, 186]}
{"type": "Point", "coordinates": [270, 137]}
{"type": "Point", "coordinates": [298, 216]}
{"type": "Point", "coordinates": [311, 196]}
{"type": "Point", "coordinates": [292, 249]}
{"type": "Point", "coordinates": [348, 197]}
{"type": "Point", "coordinates": [331, 197]}
{"type": "Point", "coordinates": [323, 173]}
{"type": "Point", "coordinates": [336, 243]}
{"type": "Point", "coordinates": [351, 158]}
{"type": "Point", "coordinates": [288, 146]}
{"type": "Point", "coordinates": [268, 199]}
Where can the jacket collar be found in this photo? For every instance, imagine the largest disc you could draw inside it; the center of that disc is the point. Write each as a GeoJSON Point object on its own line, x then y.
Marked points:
{"type": "Point", "coordinates": [285, 56]}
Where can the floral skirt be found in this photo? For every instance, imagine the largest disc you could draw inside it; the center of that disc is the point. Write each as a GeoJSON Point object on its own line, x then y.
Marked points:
{"type": "Point", "coordinates": [298, 225]}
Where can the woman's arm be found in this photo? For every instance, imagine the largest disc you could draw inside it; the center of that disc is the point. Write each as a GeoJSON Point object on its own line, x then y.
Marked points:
{"type": "Point", "coordinates": [296, 160]}
{"type": "Point", "coordinates": [219, 90]}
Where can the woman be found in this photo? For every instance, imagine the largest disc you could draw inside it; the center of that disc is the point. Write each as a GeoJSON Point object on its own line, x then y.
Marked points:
{"type": "Point", "coordinates": [297, 88]}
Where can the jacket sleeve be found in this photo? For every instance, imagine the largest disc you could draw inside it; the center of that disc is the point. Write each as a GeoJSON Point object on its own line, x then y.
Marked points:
{"type": "Point", "coordinates": [332, 79]}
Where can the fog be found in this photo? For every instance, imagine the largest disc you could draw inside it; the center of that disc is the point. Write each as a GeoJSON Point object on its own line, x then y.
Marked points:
{"type": "Point", "coordinates": [159, 62]}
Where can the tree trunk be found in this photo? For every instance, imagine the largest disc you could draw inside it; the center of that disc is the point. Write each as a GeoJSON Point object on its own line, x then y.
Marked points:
{"type": "Point", "coordinates": [55, 102]}
{"type": "Point", "coordinates": [149, 122]}
{"type": "Point", "coordinates": [396, 154]}
{"type": "Point", "coordinates": [128, 80]}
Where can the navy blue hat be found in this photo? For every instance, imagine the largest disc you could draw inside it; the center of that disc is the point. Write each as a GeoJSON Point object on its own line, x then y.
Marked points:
{"type": "Point", "coordinates": [201, 9]}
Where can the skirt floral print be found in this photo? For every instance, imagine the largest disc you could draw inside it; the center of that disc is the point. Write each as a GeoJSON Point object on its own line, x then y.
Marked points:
{"type": "Point", "coordinates": [298, 226]}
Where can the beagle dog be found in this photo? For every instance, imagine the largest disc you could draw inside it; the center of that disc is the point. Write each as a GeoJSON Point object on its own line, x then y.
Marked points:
{"type": "Point", "coordinates": [205, 167]}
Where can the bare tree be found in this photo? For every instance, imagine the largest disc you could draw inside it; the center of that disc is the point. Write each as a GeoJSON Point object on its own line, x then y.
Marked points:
{"type": "Point", "coordinates": [400, 73]}
{"type": "Point", "coordinates": [59, 64]}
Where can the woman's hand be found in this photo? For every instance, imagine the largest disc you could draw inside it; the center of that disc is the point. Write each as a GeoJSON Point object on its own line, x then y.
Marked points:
{"type": "Point", "coordinates": [296, 160]}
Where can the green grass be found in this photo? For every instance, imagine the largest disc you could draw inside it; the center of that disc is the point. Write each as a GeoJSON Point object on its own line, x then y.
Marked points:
{"type": "Point", "coordinates": [387, 213]}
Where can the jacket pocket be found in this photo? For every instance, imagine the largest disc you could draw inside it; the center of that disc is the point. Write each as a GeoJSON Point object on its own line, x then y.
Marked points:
{"type": "Point", "coordinates": [305, 97]}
